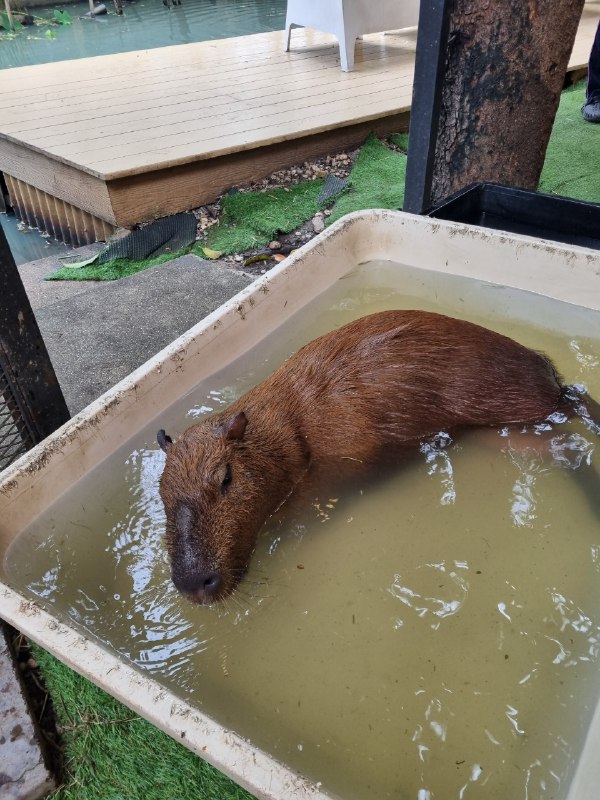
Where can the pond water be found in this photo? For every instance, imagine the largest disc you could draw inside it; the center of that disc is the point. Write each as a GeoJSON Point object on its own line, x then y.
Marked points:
{"type": "Point", "coordinates": [144, 24]}
{"type": "Point", "coordinates": [432, 635]}
{"type": "Point", "coordinates": [28, 244]}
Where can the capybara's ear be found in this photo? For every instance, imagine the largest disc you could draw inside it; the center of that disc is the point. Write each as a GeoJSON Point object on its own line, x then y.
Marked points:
{"type": "Point", "coordinates": [164, 440]}
{"type": "Point", "coordinates": [235, 426]}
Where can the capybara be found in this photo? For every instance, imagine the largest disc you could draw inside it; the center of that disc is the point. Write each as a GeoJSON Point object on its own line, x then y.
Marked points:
{"type": "Point", "coordinates": [364, 392]}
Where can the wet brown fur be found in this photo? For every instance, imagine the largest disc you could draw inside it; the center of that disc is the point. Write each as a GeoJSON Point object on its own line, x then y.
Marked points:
{"type": "Point", "coordinates": [351, 397]}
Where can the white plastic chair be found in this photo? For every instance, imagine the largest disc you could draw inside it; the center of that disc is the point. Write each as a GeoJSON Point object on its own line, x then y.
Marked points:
{"type": "Point", "coordinates": [347, 20]}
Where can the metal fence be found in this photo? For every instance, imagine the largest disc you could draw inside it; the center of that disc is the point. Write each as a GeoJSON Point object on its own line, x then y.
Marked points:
{"type": "Point", "coordinates": [31, 401]}
{"type": "Point", "coordinates": [16, 436]}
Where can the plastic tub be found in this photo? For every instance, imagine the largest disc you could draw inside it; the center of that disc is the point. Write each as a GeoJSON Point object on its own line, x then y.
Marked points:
{"type": "Point", "coordinates": [28, 487]}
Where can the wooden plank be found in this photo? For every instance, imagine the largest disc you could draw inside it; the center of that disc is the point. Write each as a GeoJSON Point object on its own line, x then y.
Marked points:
{"type": "Point", "coordinates": [585, 36]}
{"type": "Point", "coordinates": [25, 84]}
{"type": "Point", "coordinates": [76, 187]}
{"type": "Point", "coordinates": [61, 220]}
{"type": "Point", "coordinates": [84, 135]}
{"type": "Point", "coordinates": [175, 144]}
{"type": "Point", "coordinates": [146, 126]}
{"type": "Point", "coordinates": [149, 195]}
{"type": "Point", "coordinates": [247, 52]}
{"type": "Point", "coordinates": [304, 60]}
{"type": "Point", "coordinates": [14, 194]}
{"type": "Point", "coordinates": [240, 87]}
{"type": "Point", "coordinates": [394, 89]}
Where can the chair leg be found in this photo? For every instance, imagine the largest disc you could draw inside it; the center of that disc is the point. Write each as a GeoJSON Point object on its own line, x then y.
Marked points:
{"type": "Point", "coordinates": [347, 40]}
{"type": "Point", "coordinates": [288, 27]}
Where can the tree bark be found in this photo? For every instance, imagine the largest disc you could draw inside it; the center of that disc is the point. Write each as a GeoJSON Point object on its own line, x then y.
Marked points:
{"type": "Point", "coordinates": [505, 65]}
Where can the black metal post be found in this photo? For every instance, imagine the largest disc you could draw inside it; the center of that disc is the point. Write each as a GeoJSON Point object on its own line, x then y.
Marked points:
{"type": "Point", "coordinates": [432, 40]}
{"type": "Point", "coordinates": [29, 388]}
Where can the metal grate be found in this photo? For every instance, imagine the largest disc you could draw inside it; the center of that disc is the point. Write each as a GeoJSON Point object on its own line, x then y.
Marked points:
{"type": "Point", "coordinates": [31, 403]}
{"type": "Point", "coordinates": [15, 434]}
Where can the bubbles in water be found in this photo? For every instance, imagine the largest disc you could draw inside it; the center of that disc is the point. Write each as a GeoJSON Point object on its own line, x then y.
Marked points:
{"type": "Point", "coordinates": [200, 411]}
{"type": "Point", "coordinates": [571, 450]}
{"type": "Point", "coordinates": [425, 603]}
{"type": "Point", "coordinates": [438, 463]}
{"type": "Point", "coordinates": [587, 360]}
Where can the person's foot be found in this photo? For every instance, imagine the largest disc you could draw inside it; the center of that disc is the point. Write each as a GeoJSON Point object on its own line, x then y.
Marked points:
{"type": "Point", "coordinates": [591, 108]}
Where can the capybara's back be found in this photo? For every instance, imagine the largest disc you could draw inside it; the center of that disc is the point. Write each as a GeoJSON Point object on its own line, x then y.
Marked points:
{"type": "Point", "coordinates": [394, 377]}
{"type": "Point", "coordinates": [365, 391]}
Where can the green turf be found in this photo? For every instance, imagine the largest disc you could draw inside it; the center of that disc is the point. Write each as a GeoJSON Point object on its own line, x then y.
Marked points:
{"type": "Point", "coordinates": [253, 219]}
{"type": "Point", "coordinates": [113, 754]}
{"type": "Point", "coordinates": [112, 270]}
{"type": "Point", "coordinates": [400, 140]}
{"type": "Point", "coordinates": [376, 181]}
{"type": "Point", "coordinates": [571, 165]}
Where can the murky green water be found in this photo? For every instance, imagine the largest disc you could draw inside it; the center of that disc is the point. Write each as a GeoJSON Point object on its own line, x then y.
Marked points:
{"type": "Point", "coordinates": [431, 636]}
{"type": "Point", "coordinates": [144, 24]}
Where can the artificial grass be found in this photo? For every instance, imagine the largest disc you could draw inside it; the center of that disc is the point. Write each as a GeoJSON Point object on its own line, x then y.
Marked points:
{"type": "Point", "coordinates": [571, 164]}
{"type": "Point", "coordinates": [113, 270]}
{"type": "Point", "coordinates": [376, 181]}
{"type": "Point", "coordinates": [252, 219]}
{"type": "Point", "coordinates": [113, 754]}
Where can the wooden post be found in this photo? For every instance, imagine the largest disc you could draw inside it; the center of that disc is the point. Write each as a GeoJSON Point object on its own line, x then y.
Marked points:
{"type": "Point", "coordinates": [497, 94]}
{"type": "Point", "coordinates": [36, 396]}
{"type": "Point", "coordinates": [505, 67]}
{"type": "Point", "coordinates": [432, 38]}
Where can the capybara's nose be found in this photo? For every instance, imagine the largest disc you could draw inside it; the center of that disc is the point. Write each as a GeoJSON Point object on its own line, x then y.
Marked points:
{"type": "Point", "coordinates": [202, 586]}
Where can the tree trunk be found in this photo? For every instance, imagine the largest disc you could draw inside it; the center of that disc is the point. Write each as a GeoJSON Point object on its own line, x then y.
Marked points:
{"type": "Point", "coordinates": [505, 65]}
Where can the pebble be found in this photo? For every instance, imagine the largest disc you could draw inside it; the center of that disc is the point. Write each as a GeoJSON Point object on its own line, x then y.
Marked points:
{"type": "Point", "coordinates": [318, 223]}
{"type": "Point", "coordinates": [274, 245]}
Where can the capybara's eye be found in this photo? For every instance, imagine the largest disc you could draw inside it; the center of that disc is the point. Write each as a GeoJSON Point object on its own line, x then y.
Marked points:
{"type": "Point", "coordinates": [226, 479]}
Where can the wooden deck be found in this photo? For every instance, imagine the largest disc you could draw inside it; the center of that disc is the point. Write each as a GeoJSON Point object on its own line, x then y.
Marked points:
{"type": "Point", "coordinates": [113, 140]}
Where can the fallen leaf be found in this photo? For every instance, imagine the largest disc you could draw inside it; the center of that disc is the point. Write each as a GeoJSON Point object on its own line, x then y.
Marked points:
{"type": "Point", "coordinates": [211, 253]}
{"type": "Point", "coordinates": [255, 259]}
{"type": "Point", "coordinates": [80, 264]}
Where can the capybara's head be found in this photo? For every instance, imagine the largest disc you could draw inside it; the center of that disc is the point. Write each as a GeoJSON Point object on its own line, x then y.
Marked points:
{"type": "Point", "coordinates": [220, 483]}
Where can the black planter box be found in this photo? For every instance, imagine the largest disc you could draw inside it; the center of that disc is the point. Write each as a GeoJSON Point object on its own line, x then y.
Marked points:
{"type": "Point", "coordinates": [547, 216]}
